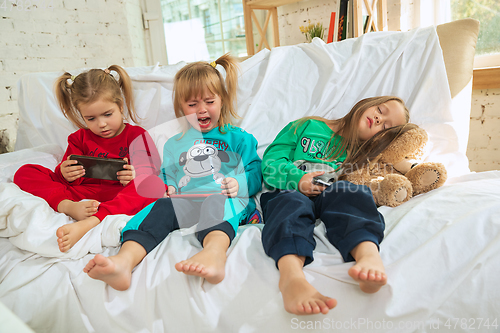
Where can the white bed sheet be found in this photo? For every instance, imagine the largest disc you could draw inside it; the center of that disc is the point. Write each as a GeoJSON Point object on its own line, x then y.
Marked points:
{"type": "Point", "coordinates": [440, 250]}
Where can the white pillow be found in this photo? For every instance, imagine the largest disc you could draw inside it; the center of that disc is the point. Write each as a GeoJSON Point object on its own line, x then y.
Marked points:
{"type": "Point", "coordinates": [46, 155]}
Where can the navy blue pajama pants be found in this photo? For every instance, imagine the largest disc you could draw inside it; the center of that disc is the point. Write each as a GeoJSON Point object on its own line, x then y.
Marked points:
{"type": "Point", "coordinates": [347, 210]}
{"type": "Point", "coordinates": [156, 221]}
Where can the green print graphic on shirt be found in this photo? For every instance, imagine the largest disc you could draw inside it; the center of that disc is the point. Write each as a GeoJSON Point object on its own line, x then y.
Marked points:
{"type": "Point", "coordinates": [314, 148]}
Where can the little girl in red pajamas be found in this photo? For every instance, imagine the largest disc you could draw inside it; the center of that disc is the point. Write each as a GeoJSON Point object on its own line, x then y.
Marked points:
{"type": "Point", "coordinates": [94, 101]}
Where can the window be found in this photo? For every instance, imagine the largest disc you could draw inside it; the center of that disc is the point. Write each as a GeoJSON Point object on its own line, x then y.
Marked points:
{"type": "Point", "coordinates": [203, 29]}
{"type": "Point", "coordinates": [488, 14]}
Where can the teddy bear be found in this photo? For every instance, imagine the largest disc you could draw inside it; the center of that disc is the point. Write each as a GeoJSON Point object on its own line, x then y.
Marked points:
{"type": "Point", "coordinates": [395, 176]}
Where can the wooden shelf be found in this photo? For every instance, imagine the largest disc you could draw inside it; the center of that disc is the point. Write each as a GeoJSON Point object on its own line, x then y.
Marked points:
{"type": "Point", "coordinates": [271, 6]}
{"type": "Point", "coordinates": [486, 78]}
{"type": "Point", "coordinates": [373, 7]}
{"type": "Point", "coordinates": [269, 3]}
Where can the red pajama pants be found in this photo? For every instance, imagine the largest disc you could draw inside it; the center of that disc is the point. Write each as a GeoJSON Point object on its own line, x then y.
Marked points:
{"type": "Point", "coordinates": [114, 198]}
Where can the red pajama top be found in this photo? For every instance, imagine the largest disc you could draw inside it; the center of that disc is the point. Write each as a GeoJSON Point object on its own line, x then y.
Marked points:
{"type": "Point", "coordinates": [133, 143]}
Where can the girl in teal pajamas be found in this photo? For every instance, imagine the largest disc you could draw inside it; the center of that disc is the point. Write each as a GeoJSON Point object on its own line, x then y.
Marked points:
{"type": "Point", "coordinates": [212, 171]}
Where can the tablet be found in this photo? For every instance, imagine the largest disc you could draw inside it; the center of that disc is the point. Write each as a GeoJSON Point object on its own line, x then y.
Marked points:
{"type": "Point", "coordinates": [99, 168]}
{"type": "Point", "coordinates": [192, 195]}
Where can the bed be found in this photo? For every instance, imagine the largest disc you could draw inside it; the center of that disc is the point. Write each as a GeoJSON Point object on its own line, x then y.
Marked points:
{"type": "Point", "coordinates": [441, 249]}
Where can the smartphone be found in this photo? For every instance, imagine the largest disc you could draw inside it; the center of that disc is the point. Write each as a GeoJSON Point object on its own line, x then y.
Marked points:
{"type": "Point", "coordinates": [99, 168]}
{"type": "Point", "coordinates": [317, 181]}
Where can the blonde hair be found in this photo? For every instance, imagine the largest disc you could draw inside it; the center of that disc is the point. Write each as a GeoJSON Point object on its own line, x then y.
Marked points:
{"type": "Point", "coordinates": [88, 87]}
{"type": "Point", "coordinates": [348, 127]}
{"type": "Point", "coordinates": [194, 78]}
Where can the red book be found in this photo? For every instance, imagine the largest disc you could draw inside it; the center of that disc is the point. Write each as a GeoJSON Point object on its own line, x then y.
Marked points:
{"type": "Point", "coordinates": [331, 28]}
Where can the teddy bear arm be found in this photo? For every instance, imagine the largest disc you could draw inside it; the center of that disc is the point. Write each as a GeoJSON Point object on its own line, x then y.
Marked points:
{"type": "Point", "coordinates": [426, 177]}
{"type": "Point", "coordinates": [391, 190]}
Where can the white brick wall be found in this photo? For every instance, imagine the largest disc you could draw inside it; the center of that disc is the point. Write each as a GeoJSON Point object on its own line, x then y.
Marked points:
{"type": "Point", "coordinates": [73, 34]}
{"type": "Point", "coordinates": [292, 16]}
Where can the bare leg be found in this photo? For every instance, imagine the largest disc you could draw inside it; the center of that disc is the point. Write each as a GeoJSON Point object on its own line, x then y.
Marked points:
{"type": "Point", "coordinates": [70, 233]}
{"type": "Point", "coordinates": [209, 263]}
{"type": "Point", "coordinates": [369, 269]}
{"type": "Point", "coordinates": [116, 270]}
{"type": "Point", "coordinates": [299, 296]}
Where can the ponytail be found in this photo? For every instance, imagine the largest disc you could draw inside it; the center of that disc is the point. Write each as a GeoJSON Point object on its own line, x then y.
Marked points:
{"type": "Point", "coordinates": [63, 90]}
{"type": "Point", "coordinates": [230, 65]}
{"type": "Point", "coordinates": [125, 84]}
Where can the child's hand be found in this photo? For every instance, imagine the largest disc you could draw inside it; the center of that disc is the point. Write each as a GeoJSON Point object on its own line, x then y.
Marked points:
{"type": "Point", "coordinates": [307, 187]}
{"type": "Point", "coordinates": [70, 171]}
{"type": "Point", "coordinates": [170, 190]}
{"type": "Point", "coordinates": [127, 175]}
{"type": "Point", "coordinates": [230, 187]}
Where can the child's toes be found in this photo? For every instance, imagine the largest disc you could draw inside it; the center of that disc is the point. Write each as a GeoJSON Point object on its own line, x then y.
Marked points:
{"type": "Point", "coordinates": [307, 307]}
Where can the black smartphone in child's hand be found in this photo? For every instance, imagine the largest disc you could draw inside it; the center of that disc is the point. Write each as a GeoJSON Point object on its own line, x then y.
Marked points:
{"type": "Point", "coordinates": [99, 168]}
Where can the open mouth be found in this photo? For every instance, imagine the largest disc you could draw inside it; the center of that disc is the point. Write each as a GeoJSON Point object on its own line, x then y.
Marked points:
{"type": "Point", "coordinates": [204, 122]}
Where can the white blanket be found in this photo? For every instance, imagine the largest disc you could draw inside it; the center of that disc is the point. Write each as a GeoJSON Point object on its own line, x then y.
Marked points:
{"type": "Point", "coordinates": [440, 251]}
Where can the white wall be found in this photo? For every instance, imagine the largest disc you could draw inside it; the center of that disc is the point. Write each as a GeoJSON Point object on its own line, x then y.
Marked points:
{"type": "Point", "coordinates": [73, 34]}
{"type": "Point", "coordinates": [303, 13]}
{"type": "Point", "coordinates": [484, 139]}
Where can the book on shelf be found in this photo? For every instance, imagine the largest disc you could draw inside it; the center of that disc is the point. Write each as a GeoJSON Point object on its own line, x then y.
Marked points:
{"type": "Point", "coordinates": [343, 18]}
{"type": "Point", "coordinates": [331, 27]}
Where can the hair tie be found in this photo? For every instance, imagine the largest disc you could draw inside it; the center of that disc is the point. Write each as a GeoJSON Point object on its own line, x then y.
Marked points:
{"type": "Point", "coordinates": [73, 77]}
{"type": "Point", "coordinates": [213, 64]}
{"type": "Point", "coordinates": [106, 71]}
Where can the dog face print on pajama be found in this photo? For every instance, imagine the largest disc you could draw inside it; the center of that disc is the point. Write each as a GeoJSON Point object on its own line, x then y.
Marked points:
{"type": "Point", "coordinates": [202, 160]}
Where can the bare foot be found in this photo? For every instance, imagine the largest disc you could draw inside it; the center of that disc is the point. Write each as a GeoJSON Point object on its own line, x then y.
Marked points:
{"type": "Point", "coordinates": [70, 233]}
{"type": "Point", "coordinates": [112, 270]}
{"type": "Point", "coordinates": [78, 210]}
{"type": "Point", "coordinates": [209, 264]}
{"type": "Point", "coordinates": [116, 270]}
{"type": "Point", "coordinates": [301, 298]}
{"type": "Point", "coordinates": [369, 269]}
